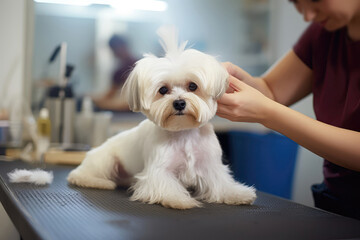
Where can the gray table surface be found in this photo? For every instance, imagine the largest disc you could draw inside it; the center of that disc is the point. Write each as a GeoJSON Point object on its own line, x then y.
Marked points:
{"type": "Point", "coordinates": [60, 211]}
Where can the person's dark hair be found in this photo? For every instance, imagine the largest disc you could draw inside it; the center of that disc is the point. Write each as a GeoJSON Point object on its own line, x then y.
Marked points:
{"type": "Point", "coordinates": [117, 41]}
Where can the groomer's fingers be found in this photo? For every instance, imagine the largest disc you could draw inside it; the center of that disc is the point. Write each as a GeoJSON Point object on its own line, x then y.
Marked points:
{"type": "Point", "coordinates": [237, 84]}
{"type": "Point", "coordinates": [224, 109]}
{"type": "Point", "coordinates": [230, 90]}
{"type": "Point", "coordinates": [235, 70]}
{"type": "Point", "coordinates": [225, 112]}
{"type": "Point", "coordinates": [226, 99]}
{"type": "Point", "coordinates": [232, 85]}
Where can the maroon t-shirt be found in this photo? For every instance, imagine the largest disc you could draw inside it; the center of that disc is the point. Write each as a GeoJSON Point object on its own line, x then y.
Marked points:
{"type": "Point", "coordinates": [335, 61]}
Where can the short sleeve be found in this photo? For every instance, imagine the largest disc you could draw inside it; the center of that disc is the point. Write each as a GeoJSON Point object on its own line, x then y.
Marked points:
{"type": "Point", "coordinates": [304, 46]}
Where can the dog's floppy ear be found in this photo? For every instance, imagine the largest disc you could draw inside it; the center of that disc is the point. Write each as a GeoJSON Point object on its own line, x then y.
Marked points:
{"type": "Point", "coordinates": [130, 91]}
{"type": "Point", "coordinates": [220, 82]}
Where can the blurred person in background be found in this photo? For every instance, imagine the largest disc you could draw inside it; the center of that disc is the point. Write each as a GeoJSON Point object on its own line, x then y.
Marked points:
{"type": "Point", "coordinates": [110, 100]}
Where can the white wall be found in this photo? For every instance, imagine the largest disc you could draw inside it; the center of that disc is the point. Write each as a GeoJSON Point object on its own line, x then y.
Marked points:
{"type": "Point", "coordinates": [15, 51]}
{"type": "Point", "coordinates": [288, 26]}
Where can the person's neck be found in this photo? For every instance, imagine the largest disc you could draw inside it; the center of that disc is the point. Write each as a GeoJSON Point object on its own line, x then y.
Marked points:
{"type": "Point", "coordinates": [128, 57]}
{"type": "Point", "coordinates": [354, 28]}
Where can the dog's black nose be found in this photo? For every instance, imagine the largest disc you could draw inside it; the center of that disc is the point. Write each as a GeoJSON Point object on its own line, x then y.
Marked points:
{"type": "Point", "coordinates": [179, 104]}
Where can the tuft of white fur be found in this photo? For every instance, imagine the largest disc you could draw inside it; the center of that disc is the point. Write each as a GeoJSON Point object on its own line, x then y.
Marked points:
{"type": "Point", "coordinates": [35, 176]}
{"type": "Point", "coordinates": [169, 41]}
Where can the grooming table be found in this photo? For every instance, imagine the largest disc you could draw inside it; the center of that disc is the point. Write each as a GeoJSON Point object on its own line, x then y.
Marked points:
{"type": "Point", "coordinates": [60, 211]}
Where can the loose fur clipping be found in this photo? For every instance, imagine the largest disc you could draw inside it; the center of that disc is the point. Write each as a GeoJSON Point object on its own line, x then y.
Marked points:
{"type": "Point", "coordinates": [36, 176]}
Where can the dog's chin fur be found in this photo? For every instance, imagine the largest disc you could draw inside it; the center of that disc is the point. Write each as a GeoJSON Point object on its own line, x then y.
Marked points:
{"type": "Point", "coordinates": [180, 122]}
{"type": "Point", "coordinates": [175, 148]}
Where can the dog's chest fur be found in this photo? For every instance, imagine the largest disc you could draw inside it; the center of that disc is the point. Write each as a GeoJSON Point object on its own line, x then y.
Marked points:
{"type": "Point", "coordinates": [188, 153]}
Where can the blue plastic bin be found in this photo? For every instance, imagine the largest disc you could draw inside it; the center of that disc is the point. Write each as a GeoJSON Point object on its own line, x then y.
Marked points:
{"type": "Point", "coordinates": [264, 160]}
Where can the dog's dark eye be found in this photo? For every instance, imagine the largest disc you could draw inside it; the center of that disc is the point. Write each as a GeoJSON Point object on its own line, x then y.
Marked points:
{"type": "Point", "coordinates": [192, 86]}
{"type": "Point", "coordinates": [163, 90]}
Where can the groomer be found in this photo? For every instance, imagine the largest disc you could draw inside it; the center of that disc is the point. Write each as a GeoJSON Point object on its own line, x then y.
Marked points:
{"type": "Point", "coordinates": [325, 61]}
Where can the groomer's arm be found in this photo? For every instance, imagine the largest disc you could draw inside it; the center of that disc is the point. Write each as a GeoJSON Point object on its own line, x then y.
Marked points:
{"type": "Point", "coordinates": [340, 146]}
{"type": "Point", "coordinates": [287, 82]}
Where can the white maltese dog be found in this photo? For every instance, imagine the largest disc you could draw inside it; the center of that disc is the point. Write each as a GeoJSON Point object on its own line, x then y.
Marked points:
{"type": "Point", "coordinates": [173, 158]}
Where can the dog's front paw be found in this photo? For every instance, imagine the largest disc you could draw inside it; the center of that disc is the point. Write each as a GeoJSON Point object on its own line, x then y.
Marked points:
{"type": "Point", "coordinates": [240, 195]}
{"type": "Point", "coordinates": [180, 203]}
{"type": "Point", "coordinates": [235, 194]}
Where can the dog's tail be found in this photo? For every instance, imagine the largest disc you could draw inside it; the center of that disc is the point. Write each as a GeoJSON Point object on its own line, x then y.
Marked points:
{"type": "Point", "coordinates": [169, 41]}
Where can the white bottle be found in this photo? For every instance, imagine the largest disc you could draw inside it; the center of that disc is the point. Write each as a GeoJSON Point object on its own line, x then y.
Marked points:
{"type": "Point", "coordinates": [85, 123]}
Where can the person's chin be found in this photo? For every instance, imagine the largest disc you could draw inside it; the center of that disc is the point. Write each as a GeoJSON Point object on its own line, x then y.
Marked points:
{"type": "Point", "coordinates": [331, 27]}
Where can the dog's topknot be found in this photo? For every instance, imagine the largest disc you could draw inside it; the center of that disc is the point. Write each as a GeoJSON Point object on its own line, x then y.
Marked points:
{"type": "Point", "coordinates": [169, 41]}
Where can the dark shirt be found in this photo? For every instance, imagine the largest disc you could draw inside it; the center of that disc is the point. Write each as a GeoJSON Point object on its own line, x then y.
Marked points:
{"type": "Point", "coordinates": [121, 74]}
{"type": "Point", "coordinates": [335, 61]}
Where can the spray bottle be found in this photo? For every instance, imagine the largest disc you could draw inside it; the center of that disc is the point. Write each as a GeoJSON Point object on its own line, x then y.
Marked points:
{"type": "Point", "coordinates": [44, 134]}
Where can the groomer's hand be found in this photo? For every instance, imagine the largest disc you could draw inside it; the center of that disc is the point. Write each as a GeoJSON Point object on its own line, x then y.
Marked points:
{"type": "Point", "coordinates": [239, 73]}
{"type": "Point", "coordinates": [243, 103]}
{"type": "Point", "coordinates": [255, 82]}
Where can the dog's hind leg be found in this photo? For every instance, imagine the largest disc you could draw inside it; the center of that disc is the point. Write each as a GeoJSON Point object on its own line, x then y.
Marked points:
{"type": "Point", "coordinates": [95, 171]}
{"type": "Point", "coordinates": [85, 179]}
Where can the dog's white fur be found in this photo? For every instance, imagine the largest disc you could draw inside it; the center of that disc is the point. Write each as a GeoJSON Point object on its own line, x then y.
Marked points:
{"type": "Point", "coordinates": [175, 149]}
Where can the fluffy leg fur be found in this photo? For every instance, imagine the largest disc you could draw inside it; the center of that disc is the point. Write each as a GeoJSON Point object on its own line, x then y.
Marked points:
{"type": "Point", "coordinates": [88, 174]}
{"type": "Point", "coordinates": [83, 179]}
{"type": "Point", "coordinates": [220, 187]}
{"type": "Point", "coordinates": [215, 183]}
{"type": "Point", "coordinates": [160, 186]}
